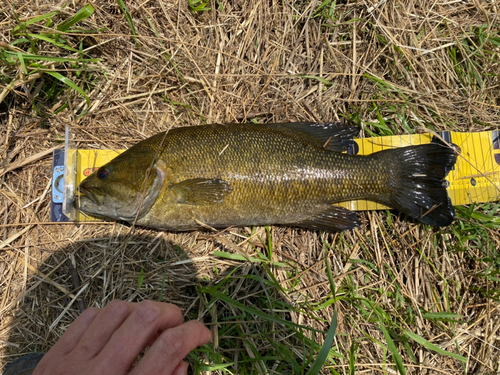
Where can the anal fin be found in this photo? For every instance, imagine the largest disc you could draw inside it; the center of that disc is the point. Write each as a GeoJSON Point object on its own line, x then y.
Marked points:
{"type": "Point", "coordinates": [335, 219]}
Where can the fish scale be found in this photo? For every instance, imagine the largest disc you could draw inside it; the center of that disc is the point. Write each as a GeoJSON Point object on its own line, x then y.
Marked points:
{"type": "Point", "coordinates": [248, 174]}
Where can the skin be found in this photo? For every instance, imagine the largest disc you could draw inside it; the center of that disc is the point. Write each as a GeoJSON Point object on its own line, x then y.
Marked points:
{"type": "Point", "coordinates": [108, 341]}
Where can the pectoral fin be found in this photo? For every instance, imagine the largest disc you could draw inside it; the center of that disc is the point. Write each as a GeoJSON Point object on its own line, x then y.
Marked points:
{"type": "Point", "coordinates": [202, 191]}
{"type": "Point", "coordinates": [335, 219]}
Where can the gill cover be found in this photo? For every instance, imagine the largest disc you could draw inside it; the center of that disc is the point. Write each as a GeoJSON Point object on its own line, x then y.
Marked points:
{"type": "Point", "coordinates": [124, 189]}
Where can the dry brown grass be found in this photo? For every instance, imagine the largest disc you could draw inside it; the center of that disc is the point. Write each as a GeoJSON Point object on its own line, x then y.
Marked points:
{"type": "Point", "coordinates": [238, 61]}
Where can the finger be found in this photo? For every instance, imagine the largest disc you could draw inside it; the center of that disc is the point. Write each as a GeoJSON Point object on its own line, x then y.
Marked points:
{"type": "Point", "coordinates": [139, 329]}
{"type": "Point", "coordinates": [181, 369]}
{"type": "Point", "coordinates": [76, 330]}
{"type": "Point", "coordinates": [102, 328]}
{"type": "Point", "coordinates": [69, 339]}
{"type": "Point", "coordinates": [171, 347]}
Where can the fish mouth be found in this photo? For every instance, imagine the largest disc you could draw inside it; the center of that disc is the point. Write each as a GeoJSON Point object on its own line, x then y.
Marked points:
{"type": "Point", "coordinates": [89, 195]}
{"type": "Point", "coordinates": [83, 192]}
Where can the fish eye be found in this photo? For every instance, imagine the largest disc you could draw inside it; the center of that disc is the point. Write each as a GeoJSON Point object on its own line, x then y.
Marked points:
{"type": "Point", "coordinates": [102, 174]}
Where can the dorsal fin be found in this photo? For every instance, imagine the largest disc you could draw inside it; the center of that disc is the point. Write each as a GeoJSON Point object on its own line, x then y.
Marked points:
{"type": "Point", "coordinates": [327, 135]}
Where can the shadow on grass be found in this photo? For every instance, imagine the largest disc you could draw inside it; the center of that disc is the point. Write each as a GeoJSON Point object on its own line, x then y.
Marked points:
{"type": "Point", "coordinates": [92, 272]}
{"type": "Point", "coordinates": [243, 305]}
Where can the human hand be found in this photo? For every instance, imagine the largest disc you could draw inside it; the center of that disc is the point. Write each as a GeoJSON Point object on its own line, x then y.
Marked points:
{"type": "Point", "coordinates": [108, 341]}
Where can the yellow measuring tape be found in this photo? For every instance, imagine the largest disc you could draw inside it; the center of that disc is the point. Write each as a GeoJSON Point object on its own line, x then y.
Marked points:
{"type": "Point", "coordinates": [474, 179]}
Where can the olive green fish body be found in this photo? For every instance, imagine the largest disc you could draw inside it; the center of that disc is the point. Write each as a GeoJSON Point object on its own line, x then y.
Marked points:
{"type": "Point", "coordinates": [242, 175]}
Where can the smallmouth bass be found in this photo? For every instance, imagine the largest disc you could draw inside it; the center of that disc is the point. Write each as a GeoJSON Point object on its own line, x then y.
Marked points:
{"type": "Point", "coordinates": [246, 174]}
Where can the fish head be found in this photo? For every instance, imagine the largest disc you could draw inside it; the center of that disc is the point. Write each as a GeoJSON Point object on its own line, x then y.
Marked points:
{"type": "Point", "coordinates": [123, 189]}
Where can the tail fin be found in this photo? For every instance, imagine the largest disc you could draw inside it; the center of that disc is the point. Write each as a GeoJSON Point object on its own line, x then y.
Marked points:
{"type": "Point", "coordinates": [417, 186]}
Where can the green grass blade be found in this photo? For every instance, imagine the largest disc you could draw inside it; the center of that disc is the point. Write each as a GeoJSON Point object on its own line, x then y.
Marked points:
{"type": "Point", "coordinates": [239, 257]}
{"type": "Point", "coordinates": [230, 256]}
{"type": "Point", "coordinates": [160, 298]}
{"type": "Point", "coordinates": [382, 124]}
{"type": "Point", "coordinates": [330, 277]}
{"type": "Point", "coordinates": [140, 279]}
{"type": "Point", "coordinates": [494, 40]}
{"type": "Point", "coordinates": [352, 360]}
{"type": "Point", "coordinates": [442, 315]}
{"type": "Point", "coordinates": [482, 218]}
{"type": "Point", "coordinates": [409, 351]}
{"type": "Point", "coordinates": [34, 20]}
{"type": "Point", "coordinates": [323, 305]}
{"type": "Point", "coordinates": [393, 349]}
{"type": "Point", "coordinates": [320, 7]}
{"type": "Point", "coordinates": [43, 17]}
{"type": "Point", "coordinates": [384, 84]}
{"type": "Point", "coordinates": [82, 14]}
{"type": "Point", "coordinates": [433, 347]}
{"type": "Point", "coordinates": [198, 5]}
{"type": "Point", "coordinates": [215, 367]}
{"type": "Point", "coordinates": [325, 349]}
{"type": "Point", "coordinates": [71, 84]}
{"type": "Point", "coordinates": [27, 56]}
{"type": "Point", "coordinates": [128, 17]}
{"type": "Point", "coordinates": [327, 345]}
{"type": "Point", "coordinates": [19, 41]}
{"type": "Point", "coordinates": [21, 60]}
{"type": "Point", "coordinates": [221, 296]}
{"type": "Point", "coordinates": [324, 81]}
{"type": "Point", "coordinates": [52, 41]}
